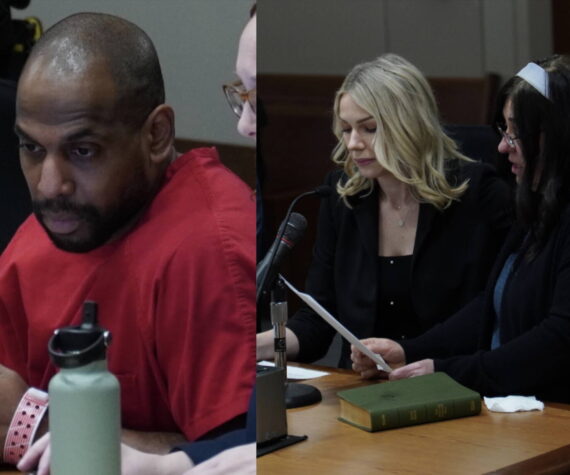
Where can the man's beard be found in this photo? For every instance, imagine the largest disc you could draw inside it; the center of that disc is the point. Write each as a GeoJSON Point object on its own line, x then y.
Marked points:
{"type": "Point", "coordinates": [101, 226]}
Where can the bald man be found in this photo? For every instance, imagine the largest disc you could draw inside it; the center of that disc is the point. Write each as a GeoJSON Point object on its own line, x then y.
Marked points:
{"type": "Point", "coordinates": [164, 243]}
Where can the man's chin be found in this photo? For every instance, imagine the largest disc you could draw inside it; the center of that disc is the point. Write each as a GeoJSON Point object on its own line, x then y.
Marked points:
{"type": "Point", "coordinates": [70, 245]}
{"type": "Point", "coordinates": [73, 243]}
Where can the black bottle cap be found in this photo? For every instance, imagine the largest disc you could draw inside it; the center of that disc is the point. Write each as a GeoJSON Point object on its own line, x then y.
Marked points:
{"type": "Point", "coordinates": [71, 347]}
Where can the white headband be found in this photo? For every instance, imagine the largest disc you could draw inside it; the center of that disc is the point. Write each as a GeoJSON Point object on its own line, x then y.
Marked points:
{"type": "Point", "coordinates": [537, 77]}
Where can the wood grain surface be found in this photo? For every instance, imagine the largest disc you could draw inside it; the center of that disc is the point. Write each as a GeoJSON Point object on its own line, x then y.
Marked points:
{"type": "Point", "coordinates": [478, 444]}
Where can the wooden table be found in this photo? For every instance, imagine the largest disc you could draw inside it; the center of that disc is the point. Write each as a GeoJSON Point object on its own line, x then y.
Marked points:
{"type": "Point", "coordinates": [476, 444]}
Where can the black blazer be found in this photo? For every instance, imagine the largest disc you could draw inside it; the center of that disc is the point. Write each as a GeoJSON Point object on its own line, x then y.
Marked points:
{"type": "Point", "coordinates": [453, 253]}
{"type": "Point", "coordinates": [534, 354]}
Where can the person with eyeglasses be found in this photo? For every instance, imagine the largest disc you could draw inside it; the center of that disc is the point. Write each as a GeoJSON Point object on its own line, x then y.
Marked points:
{"type": "Point", "coordinates": [411, 232]}
{"type": "Point", "coordinates": [515, 338]}
{"type": "Point", "coordinates": [242, 94]}
{"type": "Point", "coordinates": [242, 98]}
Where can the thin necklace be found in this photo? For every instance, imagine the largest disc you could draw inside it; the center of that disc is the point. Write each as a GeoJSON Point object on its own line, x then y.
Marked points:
{"type": "Point", "coordinates": [402, 221]}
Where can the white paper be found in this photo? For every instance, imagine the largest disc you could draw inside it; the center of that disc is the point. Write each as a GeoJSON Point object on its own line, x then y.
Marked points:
{"type": "Point", "coordinates": [339, 327]}
{"type": "Point", "coordinates": [294, 372]}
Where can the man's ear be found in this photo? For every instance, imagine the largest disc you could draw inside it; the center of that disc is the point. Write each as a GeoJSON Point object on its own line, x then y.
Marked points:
{"type": "Point", "coordinates": [159, 132]}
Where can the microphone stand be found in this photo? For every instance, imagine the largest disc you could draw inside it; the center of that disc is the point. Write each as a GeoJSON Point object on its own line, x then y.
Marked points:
{"type": "Point", "coordinates": [296, 394]}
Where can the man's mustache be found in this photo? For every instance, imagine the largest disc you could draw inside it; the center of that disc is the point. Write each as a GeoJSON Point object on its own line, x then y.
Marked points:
{"type": "Point", "coordinates": [62, 205]}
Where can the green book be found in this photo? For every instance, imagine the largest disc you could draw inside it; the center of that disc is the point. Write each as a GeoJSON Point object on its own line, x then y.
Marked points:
{"type": "Point", "coordinates": [429, 398]}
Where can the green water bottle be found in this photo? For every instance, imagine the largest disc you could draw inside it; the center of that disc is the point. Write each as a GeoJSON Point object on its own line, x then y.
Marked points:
{"type": "Point", "coordinates": [84, 398]}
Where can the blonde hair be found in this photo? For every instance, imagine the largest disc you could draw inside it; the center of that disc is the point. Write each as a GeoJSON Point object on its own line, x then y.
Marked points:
{"type": "Point", "coordinates": [411, 142]}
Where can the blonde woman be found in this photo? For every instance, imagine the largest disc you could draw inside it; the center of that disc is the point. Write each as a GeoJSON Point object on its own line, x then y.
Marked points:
{"type": "Point", "coordinates": [414, 226]}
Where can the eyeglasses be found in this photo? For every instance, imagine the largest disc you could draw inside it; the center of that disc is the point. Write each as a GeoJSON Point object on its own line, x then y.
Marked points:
{"type": "Point", "coordinates": [510, 139]}
{"type": "Point", "coordinates": [237, 96]}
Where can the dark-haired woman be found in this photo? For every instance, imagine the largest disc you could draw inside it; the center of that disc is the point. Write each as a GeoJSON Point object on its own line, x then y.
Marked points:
{"type": "Point", "coordinates": [516, 338]}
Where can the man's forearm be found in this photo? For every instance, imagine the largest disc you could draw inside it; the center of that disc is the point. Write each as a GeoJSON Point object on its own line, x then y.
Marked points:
{"type": "Point", "coordinates": [13, 387]}
{"type": "Point", "coordinates": [152, 442]}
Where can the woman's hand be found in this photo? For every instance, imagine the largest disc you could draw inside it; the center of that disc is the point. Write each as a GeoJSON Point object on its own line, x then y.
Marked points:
{"type": "Point", "coordinates": [389, 350]}
{"type": "Point", "coordinates": [417, 368]}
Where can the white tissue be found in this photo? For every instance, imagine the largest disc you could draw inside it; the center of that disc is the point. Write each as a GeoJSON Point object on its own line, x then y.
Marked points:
{"type": "Point", "coordinates": [513, 404]}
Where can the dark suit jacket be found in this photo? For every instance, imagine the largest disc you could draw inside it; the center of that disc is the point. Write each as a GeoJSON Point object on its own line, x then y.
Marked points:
{"type": "Point", "coordinates": [534, 354]}
{"type": "Point", "coordinates": [453, 253]}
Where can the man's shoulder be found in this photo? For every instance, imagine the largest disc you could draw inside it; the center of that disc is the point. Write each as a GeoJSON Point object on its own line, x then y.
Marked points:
{"type": "Point", "coordinates": [201, 206]}
{"type": "Point", "coordinates": [205, 164]}
{"type": "Point", "coordinates": [199, 186]}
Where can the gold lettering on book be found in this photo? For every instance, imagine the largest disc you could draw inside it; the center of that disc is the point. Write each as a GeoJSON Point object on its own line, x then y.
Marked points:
{"type": "Point", "coordinates": [413, 415]}
{"type": "Point", "coordinates": [440, 410]}
{"type": "Point", "coordinates": [383, 420]}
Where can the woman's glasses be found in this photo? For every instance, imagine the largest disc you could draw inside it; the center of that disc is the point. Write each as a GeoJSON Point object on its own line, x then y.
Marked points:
{"type": "Point", "coordinates": [510, 139]}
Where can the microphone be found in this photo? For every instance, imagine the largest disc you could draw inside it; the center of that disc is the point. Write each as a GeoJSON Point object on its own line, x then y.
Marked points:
{"type": "Point", "coordinates": [262, 280]}
{"type": "Point", "coordinates": [290, 232]}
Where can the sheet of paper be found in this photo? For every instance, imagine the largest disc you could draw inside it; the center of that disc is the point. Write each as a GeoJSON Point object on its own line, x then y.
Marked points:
{"type": "Point", "coordinates": [339, 327]}
{"type": "Point", "coordinates": [294, 372]}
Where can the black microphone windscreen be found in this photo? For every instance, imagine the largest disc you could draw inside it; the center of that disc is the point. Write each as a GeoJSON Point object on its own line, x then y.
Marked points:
{"type": "Point", "coordinates": [290, 233]}
{"type": "Point", "coordinates": [295, 229]}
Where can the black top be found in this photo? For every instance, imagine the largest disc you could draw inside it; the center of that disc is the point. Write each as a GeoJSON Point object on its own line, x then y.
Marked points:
{"type": "Point", "coordinates": [453, 252]}
{"type": "Point", "coordinates": [534, 355]}
{"type": "Point", "coordinates": [397, 318]}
